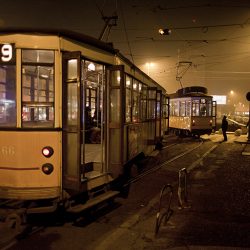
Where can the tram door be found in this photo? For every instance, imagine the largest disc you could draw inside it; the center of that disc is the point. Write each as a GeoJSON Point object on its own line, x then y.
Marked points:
{"type": "Point", "coordinates": [93, 79]}
{"type": "Point", "coordinates": [158, 114]}
{"type": "Point", "coordinates": [71, 140]}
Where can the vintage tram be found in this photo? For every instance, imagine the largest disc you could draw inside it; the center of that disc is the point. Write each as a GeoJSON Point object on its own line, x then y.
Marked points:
{"type": "Point", "coordinates": [74, 112]}
{"type": "Point", "coordinates": [192, 112]}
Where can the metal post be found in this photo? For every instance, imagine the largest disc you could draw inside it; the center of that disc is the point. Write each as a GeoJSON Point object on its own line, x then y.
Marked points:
{"type": "Point", "coordinates": [248, 98]}
{"type": "Point", "coordinates": [249, 122]}
{"type": "Point", "coordinates": [182, 189]}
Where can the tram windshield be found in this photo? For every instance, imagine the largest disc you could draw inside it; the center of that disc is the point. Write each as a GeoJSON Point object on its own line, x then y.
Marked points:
{"type": "Point", "coordinates": [202, 107]}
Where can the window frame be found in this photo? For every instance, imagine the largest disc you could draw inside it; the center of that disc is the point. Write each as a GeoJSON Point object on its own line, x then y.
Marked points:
{"type": "Point", "coordinates": [39, 104]}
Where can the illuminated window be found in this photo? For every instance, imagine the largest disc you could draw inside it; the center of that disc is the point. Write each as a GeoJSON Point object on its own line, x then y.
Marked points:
{"type": "Point", "coordinates": [151, 104]}
{"type": "Point", "coordinates": [7, 95]}
{"type": "Point", "coordinates": [182, 108]}
{"type": "Point", "coordinates": [38, 88]}
{"type": "Point", "coordinates": [136, 102]}
{"type": "Point", "coordinates": [143, 100]}
{"type": "Point", "coordinates": [195, 107]}
{"type": "Point", "coordinates": [128, 107]}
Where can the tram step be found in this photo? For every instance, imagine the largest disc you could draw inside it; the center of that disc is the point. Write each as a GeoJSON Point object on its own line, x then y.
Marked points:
{"type": "Point", "coordinates": [92, 166]}
{"type": "Point", "coordinates": [92, 202]}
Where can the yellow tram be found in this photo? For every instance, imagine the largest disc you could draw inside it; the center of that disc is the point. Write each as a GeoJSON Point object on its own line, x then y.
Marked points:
{"type": "Point", "coordinates": [192, 112]}
{"type": "Point", "coordinates": [73, 113]}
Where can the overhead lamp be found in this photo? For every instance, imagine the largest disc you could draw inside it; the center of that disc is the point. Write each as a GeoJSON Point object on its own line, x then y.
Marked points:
{"type": "Point", "coordinates": [164, 31]}
{"type": "Point", "coordinates": [91, 67]}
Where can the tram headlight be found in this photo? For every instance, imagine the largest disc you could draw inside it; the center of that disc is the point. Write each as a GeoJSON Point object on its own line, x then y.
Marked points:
{"type": "Point", "coordinates": [47, 151]}
{"type": "Point", "coordinates": [47, 168]}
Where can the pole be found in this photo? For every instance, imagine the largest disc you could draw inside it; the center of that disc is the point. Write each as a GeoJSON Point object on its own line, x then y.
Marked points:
{"type": "Point", "coordinates": [248, 98]}
{"type": "Point", "coordinates": [249, 123]}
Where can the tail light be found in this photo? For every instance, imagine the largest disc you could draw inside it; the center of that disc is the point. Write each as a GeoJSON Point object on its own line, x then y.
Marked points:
{"type": "Point", "coordinates": [47, 151]}
{"type": "Point", "coordinates": [47, 168]}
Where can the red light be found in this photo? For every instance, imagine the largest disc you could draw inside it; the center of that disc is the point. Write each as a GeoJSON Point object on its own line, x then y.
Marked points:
{"type": "Point", "coordinates": [47, 151]}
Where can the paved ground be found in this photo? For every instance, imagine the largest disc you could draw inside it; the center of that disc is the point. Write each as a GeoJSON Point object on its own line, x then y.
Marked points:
{"type": "Point", "coordinates": [216, 216]}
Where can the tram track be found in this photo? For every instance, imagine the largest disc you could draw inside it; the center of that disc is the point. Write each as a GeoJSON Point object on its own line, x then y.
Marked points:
{"type": "Point", "coordinates": [33, 230]}
{"type": "Point", "coordinates": [166, 163]}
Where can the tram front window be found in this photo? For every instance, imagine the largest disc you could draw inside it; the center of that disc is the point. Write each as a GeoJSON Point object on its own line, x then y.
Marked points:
{"type": "Point", "coordinates": [38, 88]}
{"type": "Point", "coordinates": [7, 95]}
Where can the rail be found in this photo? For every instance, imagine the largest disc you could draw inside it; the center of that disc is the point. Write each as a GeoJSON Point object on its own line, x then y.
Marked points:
{"type": "Point", "coordinates": [182, 188]}
{"type": "Point", "coordinates": [166, 211]}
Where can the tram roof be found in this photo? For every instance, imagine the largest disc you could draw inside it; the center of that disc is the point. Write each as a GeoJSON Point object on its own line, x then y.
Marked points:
{"type": "Point", "coordinates": [61, 33]}
{"type": "Point", "coordinates": [78, 37]}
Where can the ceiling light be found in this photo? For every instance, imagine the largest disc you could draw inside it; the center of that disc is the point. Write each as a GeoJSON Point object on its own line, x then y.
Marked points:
{"type": "Point", "coordinates": [164, 31]}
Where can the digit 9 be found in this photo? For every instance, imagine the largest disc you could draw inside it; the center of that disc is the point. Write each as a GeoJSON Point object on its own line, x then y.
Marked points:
{"type": "Point", "coordinates": [6, 52]}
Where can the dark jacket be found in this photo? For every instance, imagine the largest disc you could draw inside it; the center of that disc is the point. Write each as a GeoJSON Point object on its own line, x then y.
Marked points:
{"type": "Point", "coordinates": [224, 124]}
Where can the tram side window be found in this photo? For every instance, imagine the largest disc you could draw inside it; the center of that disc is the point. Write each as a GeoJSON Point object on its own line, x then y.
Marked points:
{"type": "Point", "coordinates": [143, 100]}
{"type": "Point", "coordinates": [188, 108]}
{"type": "Point", "coordinates": [174, 108]}
{"type": "Point", "coordinates": [165, 107]}
{"type": "Point", "coordinates": [151, 104]}
{"type": "Point", "coordinates": [136, 101]}
{"type": "Point", "coordinates": [7, 96]}
{"type": "Point", "coordinates": [38, 88]}
{"type": "Point", "coordinates": [128, 98]}
{"type": "Point", "coordinates": [182, 108]}
{"type": "Point", "coordinates": [158, 105]}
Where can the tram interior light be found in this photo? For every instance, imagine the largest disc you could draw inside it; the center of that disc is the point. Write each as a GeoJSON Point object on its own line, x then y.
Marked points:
{"type": "Point", "coordinates": [47, 151]}
{"type": "Point", "coordinates": [164, 31]}
{"type": "Point", "coordinates": [91, 67]}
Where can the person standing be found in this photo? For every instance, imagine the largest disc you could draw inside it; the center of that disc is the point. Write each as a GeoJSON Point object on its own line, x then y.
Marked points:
{"type": "Point", "coordinates": [224, 127]}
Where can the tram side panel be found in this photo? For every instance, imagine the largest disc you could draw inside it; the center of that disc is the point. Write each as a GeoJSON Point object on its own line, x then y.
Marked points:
{"type": "Point", "coordinates": [140, 139]}
{"type": "Point", "coordinates": [25, 173]}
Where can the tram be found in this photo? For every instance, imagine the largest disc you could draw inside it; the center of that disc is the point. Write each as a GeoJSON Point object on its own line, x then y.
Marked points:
{"type": "Point", "coordinates": [74, 113]}
{"type": "Point", "coordinates": [192, 112]}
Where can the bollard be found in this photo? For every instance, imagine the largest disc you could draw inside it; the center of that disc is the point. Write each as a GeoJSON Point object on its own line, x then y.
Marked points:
{"type": "Point", "coordinates": [182, 188]}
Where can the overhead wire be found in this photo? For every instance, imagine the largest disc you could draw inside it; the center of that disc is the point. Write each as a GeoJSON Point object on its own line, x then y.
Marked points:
{"type": "Point", "coordinates": [126, 33]}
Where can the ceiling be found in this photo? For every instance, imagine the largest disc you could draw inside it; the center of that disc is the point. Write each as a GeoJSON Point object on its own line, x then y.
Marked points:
{"type": "Point", "coordinates": [209, 44]}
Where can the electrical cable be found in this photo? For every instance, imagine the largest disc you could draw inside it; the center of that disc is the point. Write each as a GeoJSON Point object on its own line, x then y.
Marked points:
{"type": "Point", "coordinates": [126, 34]}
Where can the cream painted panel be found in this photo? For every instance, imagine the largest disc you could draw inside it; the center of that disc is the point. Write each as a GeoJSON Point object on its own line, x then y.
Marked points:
{"type": "Point", "coordinates": [31, 41]}
{"type": "Point", "coordinates": [88, 51]}
{"type": "Point", "coordinates": [21, 159]}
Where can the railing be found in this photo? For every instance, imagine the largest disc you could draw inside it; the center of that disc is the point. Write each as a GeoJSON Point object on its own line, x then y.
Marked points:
{"type": "Point", "coordinates": [164, 210]}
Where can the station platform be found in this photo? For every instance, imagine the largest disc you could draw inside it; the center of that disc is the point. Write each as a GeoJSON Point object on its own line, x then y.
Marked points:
{"type": "Point", "coordinates": [217, 213]}
{"type": "Point", "coordinates": [232, 138]}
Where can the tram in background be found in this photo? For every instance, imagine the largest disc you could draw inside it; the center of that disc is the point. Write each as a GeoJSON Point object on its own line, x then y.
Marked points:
{"type": "Point", "coordinates": [192, 112]}
{"type": "Point", "coordinates": [73, 113]}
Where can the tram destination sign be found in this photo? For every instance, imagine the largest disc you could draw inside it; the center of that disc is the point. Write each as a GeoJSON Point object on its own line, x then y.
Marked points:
{"type": "Point", "coordinates": [7, 53]}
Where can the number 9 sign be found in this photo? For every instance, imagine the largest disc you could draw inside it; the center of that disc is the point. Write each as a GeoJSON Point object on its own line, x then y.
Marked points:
{"type": "Point", "coordinates": [7, 53]}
